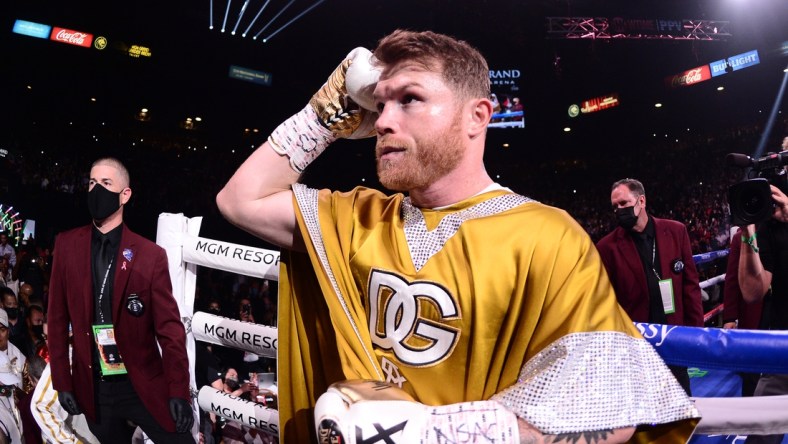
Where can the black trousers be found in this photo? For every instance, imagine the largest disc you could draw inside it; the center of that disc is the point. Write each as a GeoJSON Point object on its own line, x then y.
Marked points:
{"type": "Point", "coordinates": [117, 403]}
{"type": "Point", "coordinates": [682, 376]}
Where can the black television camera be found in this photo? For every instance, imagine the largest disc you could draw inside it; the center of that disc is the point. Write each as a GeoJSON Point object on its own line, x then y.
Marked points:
{"type": "Point", "coordinates": [751, 199]}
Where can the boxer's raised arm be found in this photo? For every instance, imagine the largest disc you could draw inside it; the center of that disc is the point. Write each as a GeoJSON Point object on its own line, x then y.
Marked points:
{"type": "Point", "coordinates": [257, 198]}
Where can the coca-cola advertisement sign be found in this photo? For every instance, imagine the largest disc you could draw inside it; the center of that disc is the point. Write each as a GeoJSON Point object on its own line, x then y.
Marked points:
{"type": "Point", "coordinates": [689, 77]}
{"type": "Point", "coordinates": [71, 37]}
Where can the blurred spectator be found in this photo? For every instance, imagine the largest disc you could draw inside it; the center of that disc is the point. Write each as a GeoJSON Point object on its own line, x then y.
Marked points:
{"type": "Point", "coordinates": [13, 321]}
{"type": "Point", "coordinates": [34, 369]}
{"type": "Point", "coordinates": [12, 362]}
{"type": "Point", "coordinates": [33, 338]}
{"type": "Point", "coordinates": [25, 294]}
{"type": "Point", "coordinates": [206, 372]}
{"type": "Point", "coordinates": [233, 432]}
{"type": "Point", "coordinates": [215, 307]}
{"type": "Point", "coordinates": [7, 278]}
{"type": "Point", "coordinates": [31, 270]}
{"type": "Point", "coordinates": [245, 310]}
{"type": "Point", "coordinates": [7, 250]}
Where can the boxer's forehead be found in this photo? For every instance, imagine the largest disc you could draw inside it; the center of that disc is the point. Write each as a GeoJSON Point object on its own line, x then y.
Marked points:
{"type": "Point", "coordinates": [406, 74]}
{"type": "Point", "coordinates": [410, 65]}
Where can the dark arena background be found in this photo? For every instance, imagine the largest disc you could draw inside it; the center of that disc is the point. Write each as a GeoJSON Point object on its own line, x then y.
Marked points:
{"type": "Point", "coordinates": [658, 90]}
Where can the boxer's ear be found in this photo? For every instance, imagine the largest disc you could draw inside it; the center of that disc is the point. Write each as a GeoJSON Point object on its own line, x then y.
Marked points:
{"type": "Point", "coordinates": [480, 112]}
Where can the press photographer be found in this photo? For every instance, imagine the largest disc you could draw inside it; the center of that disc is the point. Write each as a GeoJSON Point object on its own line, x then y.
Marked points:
{"type": "Point", "coordinates": [764, 251]}
{"type": "Point", "coordinates": [751, 199]}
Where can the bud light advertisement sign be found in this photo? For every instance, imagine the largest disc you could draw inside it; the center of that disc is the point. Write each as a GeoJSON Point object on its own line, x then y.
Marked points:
{"type": "Point", "coordinates": [734, 63]}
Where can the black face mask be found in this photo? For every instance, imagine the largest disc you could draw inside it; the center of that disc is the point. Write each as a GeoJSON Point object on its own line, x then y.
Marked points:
{"type": "Point", "coordinates": [626, 217]}
{"type": "Point", "coordinates": [37, 330]}
{"type": "Point", "coordinates": [13, 313]}
{"type": "Point", "coordinates": [232, 384]}
{"type": "Point", "coordinates": [215, 311]}
{"type": "Point", "coordinates": [102, 202]}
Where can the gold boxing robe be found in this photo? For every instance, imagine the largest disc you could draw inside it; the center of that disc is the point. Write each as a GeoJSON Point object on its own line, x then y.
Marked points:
{"type": "Point", "coordinates": [450, 304]}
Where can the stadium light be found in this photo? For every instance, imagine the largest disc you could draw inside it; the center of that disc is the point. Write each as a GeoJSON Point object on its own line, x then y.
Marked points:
{"type": "Point", "coordinates": [272, 20]}
{"type": "Point", "coordinates": [255, 18]}
{"type": "Point", "coordinates": [240, 16]}
{"type": "Point", "coordinates": [226, 13]}
{"type": "Point", "coordinates": [294, 19]}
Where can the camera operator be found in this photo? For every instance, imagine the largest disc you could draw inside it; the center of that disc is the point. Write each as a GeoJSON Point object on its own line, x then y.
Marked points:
{"type": "Point", "coordinates": [763, 252]}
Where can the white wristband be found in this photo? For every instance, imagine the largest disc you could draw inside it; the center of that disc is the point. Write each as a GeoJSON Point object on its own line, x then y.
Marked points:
{"type": "Point", "coordinates": [301, 138]}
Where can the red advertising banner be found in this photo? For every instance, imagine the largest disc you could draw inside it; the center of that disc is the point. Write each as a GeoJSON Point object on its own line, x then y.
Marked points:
{"type": "Point", "coordinates": [690, 77]}
{"type": "Point", "coordinates": [71, 37]}
{"type": "Point", "coordinates": [599, 103]}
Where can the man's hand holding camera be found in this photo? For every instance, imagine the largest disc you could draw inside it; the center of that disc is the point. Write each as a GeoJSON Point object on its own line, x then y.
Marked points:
{"type": "Point", "coordinates": [780, 204]}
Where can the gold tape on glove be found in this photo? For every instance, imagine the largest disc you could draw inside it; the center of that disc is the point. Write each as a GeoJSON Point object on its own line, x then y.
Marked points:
{"type": "Point", "coordinates": [334, 107]}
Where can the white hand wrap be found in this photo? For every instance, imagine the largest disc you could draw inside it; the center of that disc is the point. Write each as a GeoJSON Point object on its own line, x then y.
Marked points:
{"type": "Point", "coordinates": [354, 412]}
{"type": "Point", "coordinates": [301, 138]}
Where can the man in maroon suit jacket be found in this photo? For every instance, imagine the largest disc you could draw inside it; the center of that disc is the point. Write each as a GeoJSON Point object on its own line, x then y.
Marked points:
{"type": "Point", "coordinates": [649, 262]}
{"type": "Point", "coordinates": [104, 274]}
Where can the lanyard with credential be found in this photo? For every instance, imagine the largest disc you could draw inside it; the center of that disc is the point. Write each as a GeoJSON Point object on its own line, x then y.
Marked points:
{"type": "Point", "coordinates": [653, 258]}
{"type": "Point", "coordinates": [101, 291]}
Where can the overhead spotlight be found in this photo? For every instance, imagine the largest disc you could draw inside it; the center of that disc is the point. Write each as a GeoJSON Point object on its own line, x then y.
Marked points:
{"type": "Point", "coordinates": [567, 129]}
{"type": "Point", "coordinates": [657, 105]}
{"type": "Point", "coordinates": [291, 20]}
{"type": "Point", "coordinates": [506, 145]}
{"type": "Point", "coordinates": [720, 88]}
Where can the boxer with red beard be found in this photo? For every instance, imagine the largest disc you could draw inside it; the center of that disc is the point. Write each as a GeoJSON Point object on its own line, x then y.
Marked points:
{"type": "Point", "coordinates": [453, 310]}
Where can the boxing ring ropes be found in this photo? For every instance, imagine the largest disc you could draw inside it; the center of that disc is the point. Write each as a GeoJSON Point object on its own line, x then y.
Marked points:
{"type": "Point", "coordinates": [748, 351]}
